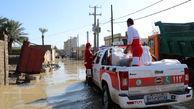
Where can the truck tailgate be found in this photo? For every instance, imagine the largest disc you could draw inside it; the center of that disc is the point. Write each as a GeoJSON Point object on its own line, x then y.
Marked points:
{"type": "Point", "coordinates": [154, 79]}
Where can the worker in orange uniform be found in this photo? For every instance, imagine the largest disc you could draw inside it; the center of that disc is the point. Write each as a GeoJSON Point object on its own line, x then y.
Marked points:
{"type": "Point", "coordinates": [88, 61]}
{"type": "Point", "coordinates": [134, 43]}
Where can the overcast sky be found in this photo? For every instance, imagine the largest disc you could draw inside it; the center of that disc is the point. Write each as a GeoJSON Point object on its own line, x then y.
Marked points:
{"type": "Point", "coordinates": [66, 18]}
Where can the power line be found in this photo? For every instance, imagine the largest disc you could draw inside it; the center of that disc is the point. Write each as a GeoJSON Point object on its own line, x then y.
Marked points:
{"type": "Point", "coordinates": [76, 28]}
{"type": "Point", "coordinates": [159, 11]}
{"type": "Point", "coordinates": [108, 20]}
{"type": "Point", "coordinates": [120, 26]}
{"type": "Point", "coordinates": [163, 10]}
{"type": "Point", "coordinates": [69, 30]}
{"type": "Point", "coordinates": [140, 10]}
{"type": "Point", "coordinates": [73, 29]}
{"type": "Point", "coordinates": [105, 22]}
{"type": "Point", "coordinates": [132, 12]}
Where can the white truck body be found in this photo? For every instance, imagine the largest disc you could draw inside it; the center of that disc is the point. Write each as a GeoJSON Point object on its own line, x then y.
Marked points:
{"type": "Point", "coordinates": [159, 83]}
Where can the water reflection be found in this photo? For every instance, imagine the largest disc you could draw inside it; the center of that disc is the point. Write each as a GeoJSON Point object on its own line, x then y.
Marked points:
{"type": "Point", "coordinates": [69, 70]}
{"type": "Point", "coordinates": [50, 84]}
{"type": "Point", "coordinates": [14, 97]}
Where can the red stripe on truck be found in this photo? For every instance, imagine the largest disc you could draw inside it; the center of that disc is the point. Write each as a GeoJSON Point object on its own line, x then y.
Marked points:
{"type": "Point", "coordinates": [154, 81]}
{"type": "Point", "coordinates": [113, 76]}
{"type": "Point", "coordinates": [114, 79]}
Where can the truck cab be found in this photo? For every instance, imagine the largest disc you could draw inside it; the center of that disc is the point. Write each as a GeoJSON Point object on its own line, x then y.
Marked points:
{"type": "Point", "coordinates": [154, 44]}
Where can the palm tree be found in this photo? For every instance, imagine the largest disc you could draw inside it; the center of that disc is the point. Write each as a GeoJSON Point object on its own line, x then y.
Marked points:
{"type": "Point", "coordinates": [14, 32]}
{"type": "Point", "coordinates": [43, 30]}
{"type": "Point", "coordinates": [2, 22]}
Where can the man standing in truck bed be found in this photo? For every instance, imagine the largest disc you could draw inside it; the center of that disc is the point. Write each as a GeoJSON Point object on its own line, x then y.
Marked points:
{"type": "Point", "coordinates": [134, 42]}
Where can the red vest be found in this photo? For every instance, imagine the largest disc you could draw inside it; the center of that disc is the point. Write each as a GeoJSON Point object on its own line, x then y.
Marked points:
{"type": "Point", "coordinates": [88, 58]}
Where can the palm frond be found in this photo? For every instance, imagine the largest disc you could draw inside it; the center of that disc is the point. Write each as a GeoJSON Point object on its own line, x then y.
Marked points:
{"type": "Point", "coordinates": [43, 30]}
{"type": "Point", "coordinates": [3, 20]}
{"type": "Point", "coordinates": [14, 30]}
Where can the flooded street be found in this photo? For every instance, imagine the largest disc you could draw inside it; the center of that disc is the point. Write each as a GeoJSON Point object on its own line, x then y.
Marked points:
{"type": "Point", "coordinates": [64, 88]}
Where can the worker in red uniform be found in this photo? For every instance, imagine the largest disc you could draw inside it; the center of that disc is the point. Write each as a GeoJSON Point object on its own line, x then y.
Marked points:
{"type": "Point", "coordinates": [134, 43]}
{"type": "Point", "coordinates": [88, 60]}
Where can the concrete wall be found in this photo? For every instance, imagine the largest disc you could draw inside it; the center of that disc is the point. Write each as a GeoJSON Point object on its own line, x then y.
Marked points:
{"type": "Point", "coordinates": [116, 37]}
{"type": "Point", "coordinates": [47, 57]}
{"type": "Point", "coordinates": [53, 55]}
{"type": "Point", "coordinates": [4, 68]}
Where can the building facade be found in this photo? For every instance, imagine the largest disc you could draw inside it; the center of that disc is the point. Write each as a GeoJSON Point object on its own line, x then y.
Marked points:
{"type": "Point", "coordinates": [71, 47]}
{"type": "Point", "coordinates": [82, 51]}
{"type": "Point", "coordinates": [116, 38]}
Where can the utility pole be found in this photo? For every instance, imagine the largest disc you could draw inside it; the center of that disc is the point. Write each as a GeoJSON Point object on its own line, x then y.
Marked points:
{"type": "Point", "coordinates": [87, 37]}
{"type": "Point", "coordinates": [112, 24]}
{"type": "Point", "coordinates": [98, 31]}
{"type": "Point", "coordinates": [94, 25]}
{"type": "Point", "coordinates": [77, 46]}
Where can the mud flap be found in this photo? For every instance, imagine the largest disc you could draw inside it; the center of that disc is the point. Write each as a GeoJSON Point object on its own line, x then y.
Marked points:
{"type": "Point", "coordinates": [89, 76]}
{"type": "Point", "coordinates": [89, 73]}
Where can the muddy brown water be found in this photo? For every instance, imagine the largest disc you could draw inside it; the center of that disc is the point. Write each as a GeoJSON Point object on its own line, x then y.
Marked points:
{"type": "Point", "coordinates": [64, 88]}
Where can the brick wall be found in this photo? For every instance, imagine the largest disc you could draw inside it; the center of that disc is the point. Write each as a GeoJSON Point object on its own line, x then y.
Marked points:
{"type": "Point", "coordinates": [4, 68]}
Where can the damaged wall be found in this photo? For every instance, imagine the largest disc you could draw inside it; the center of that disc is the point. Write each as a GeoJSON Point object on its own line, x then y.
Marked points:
{"type": "Point", "coordinates": [4, 68]}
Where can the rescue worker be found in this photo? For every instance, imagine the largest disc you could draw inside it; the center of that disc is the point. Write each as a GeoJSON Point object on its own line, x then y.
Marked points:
{"type": "Point", "coordinates": [88, 61]}
{"type": "Point", "coordinates": [134, 43]}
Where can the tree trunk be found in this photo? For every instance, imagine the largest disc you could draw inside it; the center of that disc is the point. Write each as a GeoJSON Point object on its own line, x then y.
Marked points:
{"type": "Point", "coordinates": [10, 45]}
{"type": "Point", "coordinates": [42, 39]}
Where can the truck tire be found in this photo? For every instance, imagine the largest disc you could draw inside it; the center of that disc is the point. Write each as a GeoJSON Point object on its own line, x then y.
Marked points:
{"type": "Point", "coordinates": [106, 99]}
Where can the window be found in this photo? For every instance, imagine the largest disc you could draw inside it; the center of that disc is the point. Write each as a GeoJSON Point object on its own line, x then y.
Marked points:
{"type": "Point", "coordinates": [98, 57]}
{"type": "Point", "coordinates": [105, 58]}
{"type": "Point", "coordinates": [94, 57]}
{"type": "Point", "coordinates": [151, 43]}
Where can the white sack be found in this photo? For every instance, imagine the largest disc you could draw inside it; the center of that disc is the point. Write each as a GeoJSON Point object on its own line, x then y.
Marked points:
{"type": "Point", "coordinates": [146, 58]}
{"type": "Point", "coordinates": [166, 62]}
{"type": "Point", "coordinates": [119, 58]}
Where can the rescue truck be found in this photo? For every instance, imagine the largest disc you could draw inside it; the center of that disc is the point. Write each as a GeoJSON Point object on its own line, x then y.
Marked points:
{"type": "Point", "coordinates": [158, 83]}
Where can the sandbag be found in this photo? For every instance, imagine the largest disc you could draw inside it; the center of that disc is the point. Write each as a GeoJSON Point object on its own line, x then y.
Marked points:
{"type": "Point", "coordinates": [125, 62]}
{"type": "Point", "coordinates": [146, 58]}
{"type": "Point", "coordinates": [166, 62]}
{"type": "Point", "coordinates": [119, 58]}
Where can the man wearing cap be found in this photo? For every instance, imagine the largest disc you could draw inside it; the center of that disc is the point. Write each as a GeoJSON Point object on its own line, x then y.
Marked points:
{"type": "Point", "coordinates": [134, 43]}
{"type": "Point", "coordinates": [88, 60]}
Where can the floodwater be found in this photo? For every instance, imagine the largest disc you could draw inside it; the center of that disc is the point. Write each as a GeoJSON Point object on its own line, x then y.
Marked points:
{"type": "Point", "coordinates": [64, 88]}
